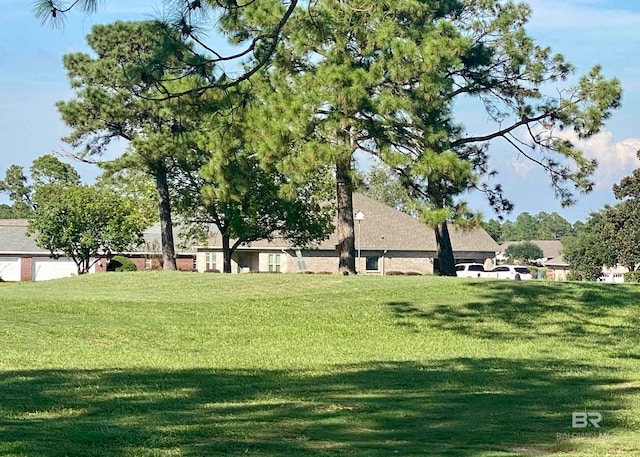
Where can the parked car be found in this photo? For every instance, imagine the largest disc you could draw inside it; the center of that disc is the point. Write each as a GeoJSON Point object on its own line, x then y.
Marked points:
{"type": "Point", "coordinates": [516, 272]}
{"type": "Point", "coordinates": [470, 270]}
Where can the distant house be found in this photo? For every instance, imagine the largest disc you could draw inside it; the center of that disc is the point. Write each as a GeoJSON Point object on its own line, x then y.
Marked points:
{"type": "Point", "coordinates": [613, 274]}
{"type": "Point", "coordinates": [386, 241]}
{"type": "Point", "coordinates": [22, 260]}
{"type": "Point", "coordinates": [557, 268]}
{"type": "Point", "coordinates": [550, 249]}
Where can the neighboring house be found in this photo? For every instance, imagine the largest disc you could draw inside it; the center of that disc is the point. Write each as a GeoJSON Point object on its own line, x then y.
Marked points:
{"type": "Point", "coordinates": [550, 249]}
{"type": "Point", "coordinates": [22, 260]}
{"type": "Point", "coordinates": [557, 268]}
{"type": "Point", "coordinates": [613, 274]}
{"type": "Point", "coordinates": [148, 256]}
{"type": "Point", "coordinates": [386, 241]}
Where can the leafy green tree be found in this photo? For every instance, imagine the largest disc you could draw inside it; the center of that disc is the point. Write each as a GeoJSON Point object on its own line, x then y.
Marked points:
{"type": "Point", "coordinates": [83, 222]}
{"type": "Point", "coordinates": [622, 229]}
{"type": "Point", "coordinates": [588, 251]}
{"type": "Point", "coordinates": [193, 21]}
{"type": "Point", "coordinates": [383, 185]}
{"type": "Point", "coordinates": [526, 251]}
{"type": "Point", "coordinates": [552, 226]}
{"type": "Point", "coordinates": [244, 200]}
{"type": "Point", "coordinates": [113, 101]}
{"type": "Point", "coordinates": [44, 170]}
{"type": "Point", "coordinates": [384, 78]}
{"type": "Point", "coordinates": [494, 229]}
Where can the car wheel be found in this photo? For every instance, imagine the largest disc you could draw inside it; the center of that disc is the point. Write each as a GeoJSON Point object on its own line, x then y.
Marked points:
{"type": "Point", "coordinates": [517, 277]}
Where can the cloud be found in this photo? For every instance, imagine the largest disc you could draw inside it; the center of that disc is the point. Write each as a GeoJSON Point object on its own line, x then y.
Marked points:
{"type": "Point", "coordinates": [522, 167]}
{"type": "Point", "coordinates": [615, 159]}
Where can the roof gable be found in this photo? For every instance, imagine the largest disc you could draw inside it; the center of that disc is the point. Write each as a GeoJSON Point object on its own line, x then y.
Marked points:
{"type": "Point", "coordinates": [384, 227]}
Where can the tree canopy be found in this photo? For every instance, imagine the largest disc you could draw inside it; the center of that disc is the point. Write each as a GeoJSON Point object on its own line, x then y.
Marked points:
{"type": "Point", "coordinates": [84, 223]}
{"type": "Point", "coordinates": [384, 78]}
{"type": "Point", "coordinates": [44, 170]}
{"type": "Point", "coordinates": [526, 251]}
{"type": "Point", "coordinates": [249, 48]}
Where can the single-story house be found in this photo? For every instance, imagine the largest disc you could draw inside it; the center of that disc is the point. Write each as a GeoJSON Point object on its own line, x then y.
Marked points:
{"type": "Point", "coordinates": [22, 260]}
{"type": "Point", "coordinates": [550, 249]}
{"type": "Point", "coordinates": [386, 241]}
{"type": "Point", "coordinates": [613, 274]}
{"type": "Point", "coordinates": [557, 268]}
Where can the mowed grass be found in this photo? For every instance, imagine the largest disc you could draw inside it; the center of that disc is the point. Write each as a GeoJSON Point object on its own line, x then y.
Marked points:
{"type": "Point", "coordinates": [184, 364]}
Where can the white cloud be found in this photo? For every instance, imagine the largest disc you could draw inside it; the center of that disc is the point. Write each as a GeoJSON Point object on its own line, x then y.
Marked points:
{"type": "Point", "coordinates": [521, 166]}
{"type": "Point", "coordinates": [615, 159]}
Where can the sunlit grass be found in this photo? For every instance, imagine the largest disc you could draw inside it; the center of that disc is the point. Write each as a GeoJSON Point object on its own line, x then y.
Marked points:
{"type": "Point", "coordinates": [268, 365]}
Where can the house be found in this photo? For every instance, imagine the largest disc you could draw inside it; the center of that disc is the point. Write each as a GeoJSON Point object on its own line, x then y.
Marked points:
{"type": "Point", "coordinates": [557, 268]}
{"type": "Point", "coordinates": [387, 241]}
{"type": "Point", "coordinates": [550, 249]}
{"type": "Point", "coordinates": [22, 260]}
{"type": "Point", "coordinates": [148, 256]}
{"type": "Point", "coordinates": [613, 274]}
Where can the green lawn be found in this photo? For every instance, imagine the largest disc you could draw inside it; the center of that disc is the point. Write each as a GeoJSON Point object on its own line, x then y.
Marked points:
{"type": "Point", "coordinates": [185, 364]}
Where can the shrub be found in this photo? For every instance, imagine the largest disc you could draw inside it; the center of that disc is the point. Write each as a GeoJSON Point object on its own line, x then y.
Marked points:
{"type": "Point", "coordinates": [632, 276]}
{"type": "Point", "coordinates": [121, 263]}
{"type": "Point", "coordinates": [212, 270]}
{"type": "Point", "coordinates": [526, 251]}
{"type": "Point", "coordinates": [394, 273]}
{"type": "Point", "coordinates": [413, 273]}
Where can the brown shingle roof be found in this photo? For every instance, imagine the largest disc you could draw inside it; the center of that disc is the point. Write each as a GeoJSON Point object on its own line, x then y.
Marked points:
{"type": "Point", "coordinates": [384, 227]}
{"type": "Point", "coordinates": [550, 248]}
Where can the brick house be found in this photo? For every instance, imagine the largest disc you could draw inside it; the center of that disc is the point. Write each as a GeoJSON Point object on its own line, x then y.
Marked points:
{"type": "Point", "coordinates": [387, 241]}
{"type": "Point", "coordinates": [22, 260]}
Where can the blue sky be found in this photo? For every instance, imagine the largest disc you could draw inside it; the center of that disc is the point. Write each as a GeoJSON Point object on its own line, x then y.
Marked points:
{"type": "Point", "coordinates": [586, 32]}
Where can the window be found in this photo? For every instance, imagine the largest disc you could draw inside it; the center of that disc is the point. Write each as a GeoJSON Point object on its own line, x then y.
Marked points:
{"type": "Point", "coordinates": [372, 263]}
{"type": "Point", "coordinates": [148, 264]}
{"type": "Point", "coordinates": [476, 268]}
{"type": "Point", "coordinates": [211, 261]}
{"type": "Point", "coordinates": [274, 263]}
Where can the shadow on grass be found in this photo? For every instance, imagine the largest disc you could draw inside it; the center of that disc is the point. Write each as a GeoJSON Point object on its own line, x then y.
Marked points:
{"type": "Point", "coordinates": [601, 312]}
{"type": "Point", "coordinates": [456, 407]}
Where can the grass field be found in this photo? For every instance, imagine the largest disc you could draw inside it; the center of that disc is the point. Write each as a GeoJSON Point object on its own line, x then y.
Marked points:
{"type": "Point", "coordinates": [185, 364]}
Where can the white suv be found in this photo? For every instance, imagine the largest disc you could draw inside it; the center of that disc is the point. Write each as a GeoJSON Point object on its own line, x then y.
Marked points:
{"type": "Point", "coordinates": [470, 270]}
{"type": "Point", "coordinates": [516, 272]}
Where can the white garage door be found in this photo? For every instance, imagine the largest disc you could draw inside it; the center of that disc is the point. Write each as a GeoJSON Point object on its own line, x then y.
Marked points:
{"type": "Point", "coordinates": [45, 268]}
{"type": "Point", "coordinates": [10, 268]}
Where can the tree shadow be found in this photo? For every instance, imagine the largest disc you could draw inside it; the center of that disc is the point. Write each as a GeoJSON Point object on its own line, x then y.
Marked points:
{"type": "Point", "coordinates": [454, 407]}
{"type": "Point", "coordinates": [596, 313]}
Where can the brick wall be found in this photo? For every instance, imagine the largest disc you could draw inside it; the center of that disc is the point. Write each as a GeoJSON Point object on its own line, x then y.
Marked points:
{"type": "Point", "coordinates": [26, 269]}
{"type": "Point", "coordinates": [185, 263]}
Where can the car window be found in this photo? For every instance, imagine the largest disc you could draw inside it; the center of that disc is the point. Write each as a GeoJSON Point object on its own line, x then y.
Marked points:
{"type": "Point", "coordinates": [459, 267]}
{"type": "Point", "coordinates": [476, 268]}
{"type": "Point", "coordinates": [523, 270]}
{"type": "Point", "coordinates": [496, 269]}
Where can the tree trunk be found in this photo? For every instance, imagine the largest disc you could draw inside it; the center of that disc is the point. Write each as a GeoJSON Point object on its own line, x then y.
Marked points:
{"type": "Point", "coordinates": [346, 232]}
{"type": "Point", "coordinates": [166, 225]}
{"type": "Point", "coordinates": [446, 261]}
{"type": "Point", "coordinates": [226, 254]}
